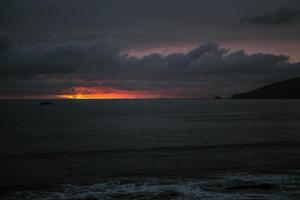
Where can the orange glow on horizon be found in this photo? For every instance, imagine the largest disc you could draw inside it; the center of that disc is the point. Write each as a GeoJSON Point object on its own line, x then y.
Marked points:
{"type": "Point", "coordinates": [100, 96]}
{"type": "Point", "coordinates": [107, 93]}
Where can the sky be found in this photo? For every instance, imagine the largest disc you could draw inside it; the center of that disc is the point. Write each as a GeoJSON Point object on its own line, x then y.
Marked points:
{"type": "Point", "coordinates": [103, 49]}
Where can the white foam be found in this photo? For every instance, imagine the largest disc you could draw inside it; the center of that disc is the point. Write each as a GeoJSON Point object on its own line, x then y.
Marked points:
{"type": "Point", "coordinates": [283, 187]}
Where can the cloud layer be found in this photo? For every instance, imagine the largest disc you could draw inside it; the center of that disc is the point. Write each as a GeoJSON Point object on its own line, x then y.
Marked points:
{"type": "Point", "coordinates": [57, 66]}
{"type": "Point", "coordinates": [281, 16]}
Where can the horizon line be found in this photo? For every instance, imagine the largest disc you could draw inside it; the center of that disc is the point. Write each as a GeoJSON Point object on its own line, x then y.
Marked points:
{"type": "Point", "coordinates": [175, 98]}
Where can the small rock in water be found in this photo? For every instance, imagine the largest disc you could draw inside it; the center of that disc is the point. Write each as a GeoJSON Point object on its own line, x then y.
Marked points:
{"type": "Point", "coordinates": [46, 103]}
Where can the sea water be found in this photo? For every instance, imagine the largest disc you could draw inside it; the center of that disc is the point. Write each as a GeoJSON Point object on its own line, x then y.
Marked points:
{"type": "Point", "coordinates": [150, 149]}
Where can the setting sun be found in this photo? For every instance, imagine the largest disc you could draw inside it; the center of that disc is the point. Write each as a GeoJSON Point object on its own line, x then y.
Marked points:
{"type": "Point", "coordinates": [106, 93]}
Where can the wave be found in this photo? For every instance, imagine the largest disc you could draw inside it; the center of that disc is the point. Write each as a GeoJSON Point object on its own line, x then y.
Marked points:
{"type": "Point", "coordinates": [237, 186]}
{"type": "Point", "coordinates": [163, 148]}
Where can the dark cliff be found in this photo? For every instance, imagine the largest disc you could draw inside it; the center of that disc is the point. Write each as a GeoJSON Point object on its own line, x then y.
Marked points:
{"type": "Point", "coordinates": [288, 89]}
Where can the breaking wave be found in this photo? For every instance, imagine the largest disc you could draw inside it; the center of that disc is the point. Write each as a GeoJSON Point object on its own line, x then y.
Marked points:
{"type": "Point", "coordinates": [239, 186]}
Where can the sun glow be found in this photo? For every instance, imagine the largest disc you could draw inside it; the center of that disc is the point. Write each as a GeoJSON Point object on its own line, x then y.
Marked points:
{"type": "Point", "coordinates": [107, 93]}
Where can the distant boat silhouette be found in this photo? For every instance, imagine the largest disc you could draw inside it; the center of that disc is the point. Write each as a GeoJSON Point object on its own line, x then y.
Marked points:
{"type": "Point", "coordinates": [288, 89]}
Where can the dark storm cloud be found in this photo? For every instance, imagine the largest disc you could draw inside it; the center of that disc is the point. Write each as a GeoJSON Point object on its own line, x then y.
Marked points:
{"type": "Point", "coordinates": [100, 58]}
{"type": "Point", "coordinates": [54, 56]}
{"type": "Point", "coordinates": [281, 16]}
{"type": "Point", "coordinates": [58, 65]}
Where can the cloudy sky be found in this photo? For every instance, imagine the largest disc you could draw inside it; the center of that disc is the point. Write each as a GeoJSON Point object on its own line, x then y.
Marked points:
{"type": "Point", "coordinates": [145, 48]}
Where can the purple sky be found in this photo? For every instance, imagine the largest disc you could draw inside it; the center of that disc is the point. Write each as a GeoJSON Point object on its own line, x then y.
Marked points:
{"type": "Point", "coordinates": [143, 48]}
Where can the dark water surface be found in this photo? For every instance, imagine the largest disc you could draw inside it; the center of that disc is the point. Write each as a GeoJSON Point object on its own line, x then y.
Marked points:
{"type": "Point", "coordinates": [150, 149]}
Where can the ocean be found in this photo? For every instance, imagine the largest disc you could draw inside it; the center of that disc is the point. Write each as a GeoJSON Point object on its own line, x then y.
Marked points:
{"type": "Point", "coordinates": [150, 149]}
